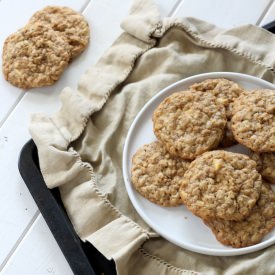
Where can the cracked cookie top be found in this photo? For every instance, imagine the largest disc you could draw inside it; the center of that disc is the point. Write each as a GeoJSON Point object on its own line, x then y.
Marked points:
{"type": "Point", "coordinates": [35, 56]}
{"type": "Point", "coordinates": [225, 91]}
{"type": "Point", "coordinates": [189, 123]}
{"type": "Point", "coordinates": [68, 22]}
{"type": "Point", "coordinates": [220, 184]}
{"type": "Point", "coordinates": [253, 121]}
{"type": "Point", "coordinates": [156, 175]}
{"type": "Point", "coordinates": [253, 228]}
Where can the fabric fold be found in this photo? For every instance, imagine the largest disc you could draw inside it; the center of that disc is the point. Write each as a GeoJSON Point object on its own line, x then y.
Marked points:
{"type": "Point", "coordinates": [143, 20]}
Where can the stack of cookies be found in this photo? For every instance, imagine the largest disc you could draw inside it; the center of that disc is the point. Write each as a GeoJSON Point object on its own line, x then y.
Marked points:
{"type": "Point", "coordinates": [187, 164]}
{"type": "Point", "coordinates": [37, 54]}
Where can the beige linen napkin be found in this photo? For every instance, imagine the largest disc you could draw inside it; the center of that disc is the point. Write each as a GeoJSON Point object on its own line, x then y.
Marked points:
{"type": "Point", "coordinates": [80, 147]}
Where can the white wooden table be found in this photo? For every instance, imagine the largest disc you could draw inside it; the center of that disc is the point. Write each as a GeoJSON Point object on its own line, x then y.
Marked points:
{"type": "Point", "coordinates": [26, 244]}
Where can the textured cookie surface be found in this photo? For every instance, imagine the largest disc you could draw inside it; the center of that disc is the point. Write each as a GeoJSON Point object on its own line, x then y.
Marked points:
{"type": "Point", "coordinates": [266, 165]}
{"type": "Point", "coordinates": [34, 56]}
{"type": "Point", "coordinates": [156, 175]}
{"type": "Point", "coordinates": [253, 121]}
{"type": "Point", "coordinates": [220, 184]}
{"type": "Point", "coordinates": [226, 91]}
{"type": "Point", "coordinates": [189, 123]}
{"type": "Point", "coordinates": [252, 229]}
{"type": "Point", "coordinates": [67, 21]}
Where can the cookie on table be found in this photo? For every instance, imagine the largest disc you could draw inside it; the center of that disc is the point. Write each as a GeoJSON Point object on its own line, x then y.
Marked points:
{"type": "Point", "coordinates": [156, 175]}
{"type": "Point", "coordinates": [68, 22]}
{"type": "Point", "coordinates": [189, 123]}
{"type": "Point", "coordinates": [221, 185]}
{"type": "Point", "coordinates": [35, 56]}
{"type": "Point", "coordinates": [266, 165]}
{"type": "Point", "coordinates": [253, 228]}
{"type": "Point", "coordinates": [253, 121]}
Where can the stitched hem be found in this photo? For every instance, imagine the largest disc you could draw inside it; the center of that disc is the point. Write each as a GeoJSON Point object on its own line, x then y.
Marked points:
{"type": "Point", "coordinates": [158, 260]}
{"type": "Point", "coordinates": [207, 44]}
{"type": "Point", "coordinates": [93, 182]}
{"type": "Point", "coordinates": [114, 86]}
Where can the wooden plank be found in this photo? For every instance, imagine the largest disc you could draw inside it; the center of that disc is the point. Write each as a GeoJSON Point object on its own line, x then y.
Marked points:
{"type": "Point", "coordinates": [104, 18]}
{"type": "Point", "coordinates": [226, 13]}
{"type": "Point", "coordinates": [14, 15]}
{"type": "Point", "coordinates": [37, 254]}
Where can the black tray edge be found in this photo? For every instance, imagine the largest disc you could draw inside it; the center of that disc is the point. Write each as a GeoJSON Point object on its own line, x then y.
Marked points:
{"type": "Point", "coordinates": [53, 212]}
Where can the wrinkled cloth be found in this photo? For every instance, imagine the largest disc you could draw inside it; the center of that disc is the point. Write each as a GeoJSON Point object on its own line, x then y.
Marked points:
{"type": "Point", "coordinates": [80, 147]}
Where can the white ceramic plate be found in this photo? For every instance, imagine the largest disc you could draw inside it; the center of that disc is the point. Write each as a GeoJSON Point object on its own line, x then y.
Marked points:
{"type": "Point", "coordinates": [177, 224]}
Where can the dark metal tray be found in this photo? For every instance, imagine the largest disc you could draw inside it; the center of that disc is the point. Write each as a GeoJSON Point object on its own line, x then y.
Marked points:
{"type": "Point", "coordinates": [83, 258]}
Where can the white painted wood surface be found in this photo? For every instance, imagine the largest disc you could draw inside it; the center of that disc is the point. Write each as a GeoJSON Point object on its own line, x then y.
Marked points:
{"type": "Point", "coordinates": [225, 14]}
{"type": "Point", "coordinates": [36, 248]}
{"type": "Point", "coordinates": [26, 244]}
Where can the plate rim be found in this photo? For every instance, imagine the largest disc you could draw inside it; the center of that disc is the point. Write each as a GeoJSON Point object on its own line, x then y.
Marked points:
{"type": "Point", "coordinates": [207, 251]}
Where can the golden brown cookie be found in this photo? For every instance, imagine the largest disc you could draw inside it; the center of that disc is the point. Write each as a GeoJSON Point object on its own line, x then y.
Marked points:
{"type": "Point", "coordinates": [221, 185]}
{"type": "Point", "coordinates": [226, 91]}
{"type": "Point", "coordinates": [253, 228]}
{"type": "Point", "coordinates": [35, 56]}
{"type": "Point", "coordinates": [265, 165]}
{"type": "Point", "coordinates": [253, 121]}
{"type": "Point", "coordinates": [68, 22]}
{"type": "Point", "coordinates": [156, 175]}
{"type": "Point", "coordinates": [189, 123]}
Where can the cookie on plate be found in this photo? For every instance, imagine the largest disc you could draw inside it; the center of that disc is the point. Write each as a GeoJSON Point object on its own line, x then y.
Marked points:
{"type": "Point", "coordinates": [189, 123]}
{"type": "Point", "coordinates": [156, 175]}
{"type": "Point", "coordinates": [253, 228]}
{"type": "Point", "coordinates": [253, 121]}
{"type": "Point", "coordinates": [225, 91]}
{"type": "Point", "coordinates": [68, 22]}
{"type": "Point", "coordinates": [35, 56]}
{"type": "Point", "coordinates": [221, 185]}
{"type": "Point", "coordinates": [266, 165]}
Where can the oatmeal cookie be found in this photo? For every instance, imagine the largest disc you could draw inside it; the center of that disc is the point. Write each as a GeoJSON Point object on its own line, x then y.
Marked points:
{"type": "Point", "coordinates": [226, 91]}
{"type": "Point", "coordinates": [265, 165]}
{"type": "Point", "coordinates": [220, 184]}
{"type": "Point", "coordinates": [253, 121]}
{"type": "Point", "coordinates": [253, 228]}
{"type": "Point", "coordinates": [68, 22]}
{"type": "Point", "coordinates": [34, 56]}
{"type": "Point", "coordinates": [156, 175]}
{"type": "Point", "coordinates": [189, 123]}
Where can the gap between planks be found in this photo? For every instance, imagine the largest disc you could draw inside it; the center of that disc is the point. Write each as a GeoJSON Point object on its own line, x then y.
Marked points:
{"type": "Point", "coordinates": [174, 9]}
{"type": "Point", "coordinates": [19, 241]}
